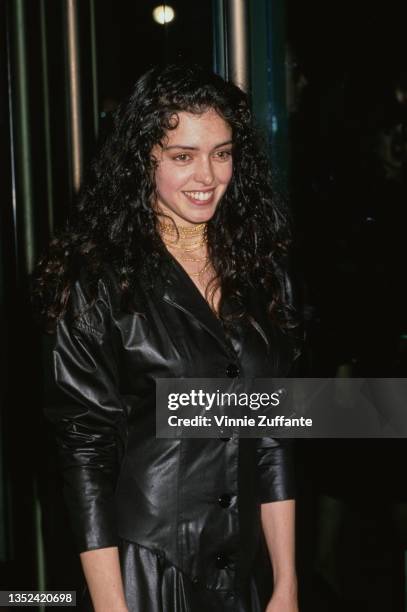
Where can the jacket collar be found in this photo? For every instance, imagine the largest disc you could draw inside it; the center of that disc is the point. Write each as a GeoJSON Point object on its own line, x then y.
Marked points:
{"type": "Point", "coordinates": [179, 291]}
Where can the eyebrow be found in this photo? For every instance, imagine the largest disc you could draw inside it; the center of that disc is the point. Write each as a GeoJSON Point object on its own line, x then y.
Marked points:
{"type": "Point", "coordinates": [187, 148]}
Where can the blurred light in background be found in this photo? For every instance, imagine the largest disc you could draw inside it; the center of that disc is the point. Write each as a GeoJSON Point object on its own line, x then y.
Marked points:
{"type": "Point", "coordinates": [163, 14]}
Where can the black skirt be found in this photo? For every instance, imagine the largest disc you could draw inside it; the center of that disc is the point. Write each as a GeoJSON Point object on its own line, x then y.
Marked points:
{"type": "Point", "coordinates": [153, 585]}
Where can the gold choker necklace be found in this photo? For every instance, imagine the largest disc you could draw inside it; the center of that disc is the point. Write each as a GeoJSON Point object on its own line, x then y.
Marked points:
{"type": "Point", "coordinates": [184, 238]}
{"type": "Point", "coordinates": [183, 231]}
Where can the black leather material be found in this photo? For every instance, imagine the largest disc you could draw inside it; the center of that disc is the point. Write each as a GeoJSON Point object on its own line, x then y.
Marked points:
{"type": "Point", "coordinates": [152, 585]}
{"type": "Point", "coordinates": [122, 482]}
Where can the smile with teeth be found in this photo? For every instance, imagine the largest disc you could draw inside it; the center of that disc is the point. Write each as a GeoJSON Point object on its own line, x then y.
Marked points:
{"type": "Point", "coordinates": [202, 196]}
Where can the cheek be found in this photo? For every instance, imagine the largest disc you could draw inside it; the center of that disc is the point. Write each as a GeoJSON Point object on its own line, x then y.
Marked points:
{"type": "Point", "coordinates": [164, 181]}
{"type": "Point", "coordinates": [226, 173]}
{"type": "Point", "coordinates": [169, 179]}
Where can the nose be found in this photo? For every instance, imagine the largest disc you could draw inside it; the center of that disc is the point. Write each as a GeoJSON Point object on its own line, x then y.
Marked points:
{"type": "Point", "coordinates": [204, 172]}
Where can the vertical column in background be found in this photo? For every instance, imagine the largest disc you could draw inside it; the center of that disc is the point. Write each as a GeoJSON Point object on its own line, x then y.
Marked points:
{"type": "Point", "coordinates": [35, 195]}
{"type": "Point", "coordinates": [21, 145]}
{"type": "Point", "coordinates": [49, 178]}
{"type": "Point", "coordinates": [73, 93]}
{"type": "Point", "coordinates": [219, 38]}
{"type": "Point", "coordinates": [81, 86]}
{"type": "Point", "coordinates": [19, 251]}
{"type": "Point", "coordinates": [268, 52]}
{"type": "Point", "coordinates": [238, 42]}
{"type": "Point", "coordinates": [231, 38]}
{"type": "Point", "coordinates": [6, 246]}
{"type": "Point", "coordinates": [249, 49]}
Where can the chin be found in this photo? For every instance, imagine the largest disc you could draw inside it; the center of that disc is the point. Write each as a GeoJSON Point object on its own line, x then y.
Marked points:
{"type": "Point", "coordinates": [200, 213]}
{"type": "Point", "coordinates": [200, 216]}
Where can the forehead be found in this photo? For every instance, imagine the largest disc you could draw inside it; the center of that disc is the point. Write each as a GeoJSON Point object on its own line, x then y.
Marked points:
{"type": "Point", "coordinates": [199, 129]}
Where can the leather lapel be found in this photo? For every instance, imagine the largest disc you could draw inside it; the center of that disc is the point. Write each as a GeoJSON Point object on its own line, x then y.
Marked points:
{"type": "Point", "coordinates": [180, 292]}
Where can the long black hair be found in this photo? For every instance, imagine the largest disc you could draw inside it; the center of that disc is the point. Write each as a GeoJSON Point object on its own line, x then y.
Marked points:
{"type": "Point", "coordinates": [113, 219]}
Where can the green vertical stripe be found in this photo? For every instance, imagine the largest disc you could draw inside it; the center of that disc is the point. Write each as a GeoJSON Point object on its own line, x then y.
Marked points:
{"type": "Point", "coordinates": [258, 55]}
{"type": "Point", "coordinates": [47, 130]}
{"type": "Point", "coordinates": [25, 218]}
{"type": "Point", "coordinates": [219, 38]}
{"type": "Point", "coordinates": [24, 201]}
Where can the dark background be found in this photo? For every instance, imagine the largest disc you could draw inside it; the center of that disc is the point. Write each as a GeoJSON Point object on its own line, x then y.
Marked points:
{"type": "Point", "coordinates": [345, 111]}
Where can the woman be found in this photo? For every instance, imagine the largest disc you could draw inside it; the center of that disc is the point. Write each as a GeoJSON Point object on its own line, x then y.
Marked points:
{"type": "Point", "coordinates": [171, 266]}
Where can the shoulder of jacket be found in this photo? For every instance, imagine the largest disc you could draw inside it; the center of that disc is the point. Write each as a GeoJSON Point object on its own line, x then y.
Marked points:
{"type": "Point", "coordinates": [93, 300]}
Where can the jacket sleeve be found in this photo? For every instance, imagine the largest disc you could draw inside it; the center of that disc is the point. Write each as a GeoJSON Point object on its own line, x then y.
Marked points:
{"type": "Point", "coordinates": [275, 470]}
{"type": "Point", "coordinates": [89, 417]}
{"type": "Point", "coordinates": [275, 460]}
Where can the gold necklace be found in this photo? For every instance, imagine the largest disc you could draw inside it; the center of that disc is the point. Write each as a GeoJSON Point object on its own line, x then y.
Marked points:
{"type": "Point", "coordinates": [183, 231]}
{"type": "Point", "coordinates": [185, 247]}
{"type": "Point", "coordinates": [195, 259]}
{"type": "Point", "coordinates": [187, 240]}
{"type": "Point", "coordinates": [185, 244]}
{"type": "Point", "coordinates": [183, 237]}
{"type": "Point", "coordinates": [200, 271]}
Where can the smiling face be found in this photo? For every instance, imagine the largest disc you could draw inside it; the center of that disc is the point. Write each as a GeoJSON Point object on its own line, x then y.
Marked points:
{"type": "Point", "coordinates": [194, 167]}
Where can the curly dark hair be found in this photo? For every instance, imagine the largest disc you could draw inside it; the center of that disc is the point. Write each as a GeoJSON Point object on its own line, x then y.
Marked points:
{"type": "Point", "coordinates": [113, 220]}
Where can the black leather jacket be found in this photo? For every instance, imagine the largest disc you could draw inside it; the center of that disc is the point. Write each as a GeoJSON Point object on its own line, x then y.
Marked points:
{"type": "Point", "coordinates": [195, 501]}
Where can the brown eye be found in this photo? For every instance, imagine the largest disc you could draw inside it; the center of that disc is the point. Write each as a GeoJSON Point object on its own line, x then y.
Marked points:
{"type": "Point", "coordinates": [182, 157]}
{"type": "Point", "coordinates": [224, 155]}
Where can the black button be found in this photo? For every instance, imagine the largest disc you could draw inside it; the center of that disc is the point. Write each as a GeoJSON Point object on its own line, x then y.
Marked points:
{"type": "Point", "coordinates": [225, 439]}
{"type": "Point", "coordinates": [224, 500]}
{"type": "Point", "coordinates": [221, 561]}
{"type": "Point", "coordinates": [232, 371]}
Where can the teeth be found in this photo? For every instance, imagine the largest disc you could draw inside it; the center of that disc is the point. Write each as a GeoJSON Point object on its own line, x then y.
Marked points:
{"type": "Point", "coordinates": [199, 195]}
